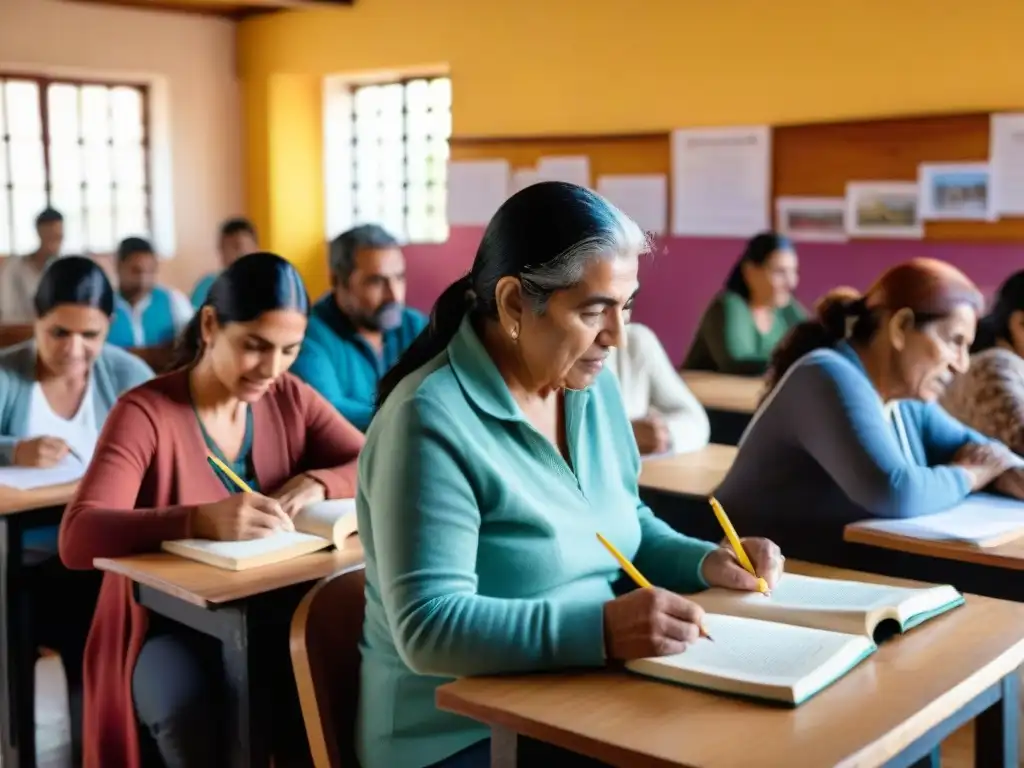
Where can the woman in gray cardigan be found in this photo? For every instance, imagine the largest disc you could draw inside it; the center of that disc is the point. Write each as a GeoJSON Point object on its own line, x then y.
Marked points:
{"type": "Point", "coordinates": [55, 392]}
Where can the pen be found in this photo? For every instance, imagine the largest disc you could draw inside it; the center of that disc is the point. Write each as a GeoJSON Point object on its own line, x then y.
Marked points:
{"type": "Point", "coordinates": [737, 545]}
{"type": "Point", "coordinates": [631, 571]}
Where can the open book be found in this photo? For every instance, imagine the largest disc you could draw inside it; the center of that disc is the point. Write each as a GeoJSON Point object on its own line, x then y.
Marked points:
{"type": "Point", "coordinates": [983, 520]}
{"type": "Point", "coordinates": [317, 526]}
{"type": "Point", "coordinates": [67, 470]}
{"type": "Point", "coordinates": [802, 638]}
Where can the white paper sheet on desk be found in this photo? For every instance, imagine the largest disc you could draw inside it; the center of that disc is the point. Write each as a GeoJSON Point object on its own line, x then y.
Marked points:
{"type": "Point", "coordinates": [977, 519]}
{"type": "Point", "coordinates": [27, 478]}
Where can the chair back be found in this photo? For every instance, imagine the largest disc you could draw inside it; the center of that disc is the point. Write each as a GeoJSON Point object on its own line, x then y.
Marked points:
{"type": "Point", "coordinates": [15, 334]}
{"type": "Point", "coordinates": [325, 634]}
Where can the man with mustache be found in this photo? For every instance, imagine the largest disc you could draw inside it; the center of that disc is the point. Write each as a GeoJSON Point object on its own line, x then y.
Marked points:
{"type": "Point", "coordinates": [361, 328]}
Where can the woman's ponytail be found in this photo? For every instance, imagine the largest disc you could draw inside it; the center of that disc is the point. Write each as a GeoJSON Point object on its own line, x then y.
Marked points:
{"type": "Point", "coordinates": [445, 318]}
{"type": "Point", "coordinates": [188, 344]}
{"type": "Point", "coordinates": [838, 315]}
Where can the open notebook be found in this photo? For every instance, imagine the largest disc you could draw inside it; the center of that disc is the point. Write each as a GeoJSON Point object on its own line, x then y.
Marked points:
{"type": "Point", "coordinates": [66, 470]}
{"type": "Point", "coordinates": [796, 642]}
{"type": "Point", "coordinates": [983, 520]}
{"type": "Point", "coordinates": [317, 526]}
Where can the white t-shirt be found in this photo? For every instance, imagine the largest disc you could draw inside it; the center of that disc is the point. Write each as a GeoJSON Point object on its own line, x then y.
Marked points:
{"type": "Point", "coordinates": [80, 432]}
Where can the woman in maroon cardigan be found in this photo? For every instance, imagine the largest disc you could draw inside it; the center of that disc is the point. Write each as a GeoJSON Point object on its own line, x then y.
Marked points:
{"type": "Point", "coordinates": [149, 482]}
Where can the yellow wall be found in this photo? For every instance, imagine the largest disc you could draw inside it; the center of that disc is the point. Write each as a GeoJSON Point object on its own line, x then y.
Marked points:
{"type": "Point", "coordinates": [547, 67]}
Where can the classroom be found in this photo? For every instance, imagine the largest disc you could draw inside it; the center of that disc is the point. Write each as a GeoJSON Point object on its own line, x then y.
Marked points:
{"type": "Point", "coordinates": [456, 384]}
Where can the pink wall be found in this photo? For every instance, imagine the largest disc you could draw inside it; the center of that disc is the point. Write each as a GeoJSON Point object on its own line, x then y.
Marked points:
{"type": "Point", "coordinates": [679, 279]}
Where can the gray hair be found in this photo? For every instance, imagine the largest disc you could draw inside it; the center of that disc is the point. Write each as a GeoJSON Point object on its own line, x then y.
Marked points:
{"type": "Point", "coordinates": [344, 247]}
{"type": "Point", "coordinates": [623, 238]}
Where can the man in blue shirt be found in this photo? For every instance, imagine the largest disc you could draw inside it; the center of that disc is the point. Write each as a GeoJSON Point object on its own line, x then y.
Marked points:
{"type": "Point", "coordinates": [237, 239]}
{"type": "Point", "coordinates": [361, 328]}
{"type": "Point", "coordinates": [145, 314]}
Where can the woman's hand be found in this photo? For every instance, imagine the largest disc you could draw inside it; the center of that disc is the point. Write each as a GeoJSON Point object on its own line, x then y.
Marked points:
{"type": "Point", "coordinates": [240, 517]}
{"type": "Point", "coordinates": [652, 435]}
{"type": "Point", "coordinates": [40, 452]}
{"type": "Point", "coordinates": [721, 567]}
{"type": "Point", "coordinates": [650, 622]}
{"type": "Point", "coordinates": [985, 462]}
{"type": "Point", "coordinates": [298, 492]}
{"type": "Point", "coordinates": [1011, 483]}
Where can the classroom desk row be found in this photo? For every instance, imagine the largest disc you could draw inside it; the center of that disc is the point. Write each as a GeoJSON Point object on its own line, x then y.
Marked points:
{"type": "Point", "coordinates": [730, 401]}
{"type": "Point", "coordinates": [236, 608]}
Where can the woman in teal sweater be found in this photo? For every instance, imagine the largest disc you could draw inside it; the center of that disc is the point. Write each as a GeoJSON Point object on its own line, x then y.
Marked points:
{"type": "Point", "coordinates": [751, 316]}
{"type": "Point", "coordinates": [501, 448]}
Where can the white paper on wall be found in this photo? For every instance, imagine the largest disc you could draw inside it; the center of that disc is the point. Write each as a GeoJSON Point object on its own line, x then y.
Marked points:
{"type": "Point", "coordinates": [476, 189]}
{"type": "Point", "coordinates": [643, 197]}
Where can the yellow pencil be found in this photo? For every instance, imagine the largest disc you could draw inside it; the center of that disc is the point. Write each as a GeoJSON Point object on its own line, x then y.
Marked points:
{"type": "Point", "coordinates": [638, 578]}
{"type": "Point", "coordinates": [242, 485]}
{"type": "Point", "coordinates": [737, 545]}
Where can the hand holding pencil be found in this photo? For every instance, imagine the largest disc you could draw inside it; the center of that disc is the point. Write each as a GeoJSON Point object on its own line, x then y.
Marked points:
{"type": "Point", "coordinates": [648, 621]}
{"type": "Point", "coordinates": [752, 564]}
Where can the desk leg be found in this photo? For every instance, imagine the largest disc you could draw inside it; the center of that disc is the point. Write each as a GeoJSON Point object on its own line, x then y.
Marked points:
{"type": "Point", "coordinates": [504, 747]}
{"type": "Point", "coordinates": [996, 739]}
{"type": "Point", "coordinates": [247, 745]}
{"type": "Point", "coordinates": [17, 656]}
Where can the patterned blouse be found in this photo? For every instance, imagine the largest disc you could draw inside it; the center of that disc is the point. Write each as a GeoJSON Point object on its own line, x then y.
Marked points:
{"type": "Point", "coordinates": [990, 396]}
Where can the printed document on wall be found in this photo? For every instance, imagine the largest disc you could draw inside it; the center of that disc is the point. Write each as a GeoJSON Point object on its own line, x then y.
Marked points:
{"type": "Point", "coordinates": [1007, 164]}
{"type": "Point", "coordinates": [644, 198]}
{"type": "Point", "coordinates": [574, 169]}
{"type": "Point", "coordinates": [721, 181]}
{"type": "Point", "coordinates": [476, 189]}
{"type": "Point", "coordinates": [523, 178]}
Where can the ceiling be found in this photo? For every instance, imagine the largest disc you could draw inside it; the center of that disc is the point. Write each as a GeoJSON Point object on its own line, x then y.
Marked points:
{"type": "Point", "coordinates": [228, 8]}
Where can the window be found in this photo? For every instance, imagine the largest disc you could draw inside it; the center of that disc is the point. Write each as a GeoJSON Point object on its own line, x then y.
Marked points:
{"type": "Point", "coordinates": [399, 158]}
{"type": "Point", "coordinates": [79, 147]}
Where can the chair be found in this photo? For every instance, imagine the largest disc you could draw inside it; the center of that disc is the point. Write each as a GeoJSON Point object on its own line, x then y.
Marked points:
{"type": "Point", "coordinates": [158, 358]}
{"type": "Point", "coordinates": [15, 334]}
{"type": "Point", "coordinates": [325, 634]}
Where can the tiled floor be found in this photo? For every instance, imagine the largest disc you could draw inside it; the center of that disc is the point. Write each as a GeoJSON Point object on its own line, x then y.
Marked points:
{"type": "Point", "coordinates": [54, 752]}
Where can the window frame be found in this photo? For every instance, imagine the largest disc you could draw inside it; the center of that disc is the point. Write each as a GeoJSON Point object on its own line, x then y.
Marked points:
{"type": "Point", "coordinates": [352, 88]}
{"type": "Point", "coordinates": [43, 81]}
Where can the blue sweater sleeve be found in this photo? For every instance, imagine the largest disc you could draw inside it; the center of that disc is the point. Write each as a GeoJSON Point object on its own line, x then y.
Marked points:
{"type": "Point", "coordinates": [837, 418]}
{"type": "Point", "coordinates": [425, 525]}
{"type": "Point", "coordinates": [941, 434]}
{"type": "Point", "coordinates": [313, 366]}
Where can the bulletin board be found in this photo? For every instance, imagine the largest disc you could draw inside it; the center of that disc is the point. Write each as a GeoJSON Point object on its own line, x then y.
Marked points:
{"type": "Point", "coordinates": [818, 160]}
{"type": "Point", "coordinates": [807, 160]}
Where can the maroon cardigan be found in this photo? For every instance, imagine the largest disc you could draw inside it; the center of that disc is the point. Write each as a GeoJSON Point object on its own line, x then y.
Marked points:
{"type": "Point", "coordinates": [148, 474]}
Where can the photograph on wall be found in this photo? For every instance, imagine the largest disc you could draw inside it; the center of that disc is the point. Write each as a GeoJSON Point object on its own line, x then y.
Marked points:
{"type": "Point", "coordinates": [821, 219]}
{"type": "Point", "coordinates": [883, 209]}
{"type": "Point", "coordinates": [955, 191]}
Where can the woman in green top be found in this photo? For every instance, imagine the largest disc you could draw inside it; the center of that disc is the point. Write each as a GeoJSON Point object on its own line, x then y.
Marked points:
{"type": "Point", "coordinates": [744, 323]}
{"type": "Point", "coordinates": [500, 449]}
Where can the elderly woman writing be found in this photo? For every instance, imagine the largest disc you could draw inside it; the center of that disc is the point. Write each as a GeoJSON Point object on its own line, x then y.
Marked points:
{"type": "Point", "coordinates": [500, 449]}
{"type": "Point", "coordinates": [851, 429]}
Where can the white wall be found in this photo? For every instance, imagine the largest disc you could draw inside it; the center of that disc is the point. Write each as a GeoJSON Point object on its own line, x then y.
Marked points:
{"type": "Point", "coordinates": [195, 111]}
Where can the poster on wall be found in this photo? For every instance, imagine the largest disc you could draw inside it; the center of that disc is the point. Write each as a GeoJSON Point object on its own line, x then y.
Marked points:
{"type": "Point", "coordinates": [955, 191]}
{"type": "Point", "coordinates": [883, 209]}
{"type": "Point", "coordinates": [476, 189]}
{"type": "Point", "coordinates": [1006, 159]}
{"type": "Point", "coordinates": [812, 219]}
{"type": "Point", "coordinates": [574, 169]}
{"type": "Point", "coordinates": [721, 181]}
{"type": "Point", "coordinates": [643, 197]}
{"type": "Point", "coordinates": [523, 178]}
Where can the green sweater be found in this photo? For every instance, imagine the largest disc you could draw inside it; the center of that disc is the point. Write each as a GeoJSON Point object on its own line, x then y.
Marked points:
{"type": "Point", "coordinates": [481, 547]}
{"type": "Point", "coordinates": [728, 340]}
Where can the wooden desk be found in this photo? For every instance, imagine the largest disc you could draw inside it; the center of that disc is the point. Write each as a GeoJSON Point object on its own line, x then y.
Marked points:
{"type": "Point", "coordinates": [694, 474]}
{"type": "Point", "coordinates": [239, 608]}
{"type": "Point", "coordinates": [892, 710]}
{"type": "Point", "coordinates": [20, 510]}
{"type": "Point", "coordinates": [677, 488]}
{"type": "Point", "coordinates": [729, 400]}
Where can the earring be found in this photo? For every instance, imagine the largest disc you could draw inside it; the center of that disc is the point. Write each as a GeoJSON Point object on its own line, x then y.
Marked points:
{"type": "Point", "coordinates": [514, 333]}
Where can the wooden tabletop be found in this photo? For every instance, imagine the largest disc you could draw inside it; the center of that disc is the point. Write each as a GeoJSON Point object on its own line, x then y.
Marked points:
{"type": "Point", "coordinates": [1009, 555]}
{"type": "Point", "coordinates": [206, 586]}
{"type": "Point", "coordinates": [689, 474]}
{"type": "Point", "coordinates": [15, 500]}
{"type": "Point", "coordinates": [722, 392]}
{"type": "Point", "coordinates": [909, 686]}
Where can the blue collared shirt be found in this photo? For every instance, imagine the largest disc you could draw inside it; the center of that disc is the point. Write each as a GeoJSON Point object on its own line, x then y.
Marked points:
{"type": "Point", "coordinates": [481, 544]}
{"type": "Point", "coordinates": [342, 366]}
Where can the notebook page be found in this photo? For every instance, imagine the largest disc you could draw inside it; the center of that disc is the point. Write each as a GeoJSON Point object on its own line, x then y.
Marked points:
{"type": "Point", "coordinates": [242, 550]}
{"type": "Point", "coordinates": [27, 478]}
{"type": "Point", "coordinates": [321, 519]}
{"type": "Point", "coordinates": [761, 652]}
{"type": "Point", "coordinates": [795, 592]}
{"type": "Point", "coordinates": [976, 520]}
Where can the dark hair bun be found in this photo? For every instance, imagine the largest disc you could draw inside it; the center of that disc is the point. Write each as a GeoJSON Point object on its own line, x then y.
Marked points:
{"type": "Point", "coordinates": [835, 307]}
